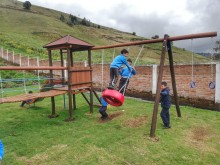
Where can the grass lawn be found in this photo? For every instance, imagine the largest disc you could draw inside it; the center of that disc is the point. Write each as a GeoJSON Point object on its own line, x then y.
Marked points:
{"type": "Point", "coordinates": [30, 137]}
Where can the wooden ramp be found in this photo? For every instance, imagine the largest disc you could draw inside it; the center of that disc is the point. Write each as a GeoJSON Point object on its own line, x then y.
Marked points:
{"type": "Point", "coordinates": [23, 97]}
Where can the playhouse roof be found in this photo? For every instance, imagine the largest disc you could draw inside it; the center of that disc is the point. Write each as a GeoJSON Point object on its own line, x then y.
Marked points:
{"type": "Point", "coordinates": [69, 42]}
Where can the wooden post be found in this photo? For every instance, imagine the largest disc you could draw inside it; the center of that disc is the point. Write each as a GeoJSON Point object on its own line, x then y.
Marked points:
{"type": "Point", "coordinates": [159, 80]}
{"type": "Point", "coordinates": [62, 64]}
{"type": "Point", "coordinates": [170, 53]}
{"type": "Point", "coordinates": [74, 96]}
{"type": "Point", "coordinates": [69, 85]}
{"type": "Point", "coordinates": [51, 84]}
{"type": "Point", "coordinates": [91, 93]}
{"type": "Point", "coordinates": [63, 76]}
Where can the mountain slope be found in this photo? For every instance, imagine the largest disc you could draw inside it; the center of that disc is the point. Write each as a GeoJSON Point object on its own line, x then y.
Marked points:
{"type": "Point", "coordinates": [27, 31]}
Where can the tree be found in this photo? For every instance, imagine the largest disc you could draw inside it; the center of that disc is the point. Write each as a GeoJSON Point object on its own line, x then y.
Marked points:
{"type": "Point", "coordinates": [155, 37]}
{"type": "Point", "coordinates": [85, 22]}
{"type": "Point", "coordinates": [62, 18]}
{"type": "Point", "coordinates": [73, 19]}
{"type": "Point", "coordinates": [27, 5]}
{"type": "Point", "coordinates": [134, 34]}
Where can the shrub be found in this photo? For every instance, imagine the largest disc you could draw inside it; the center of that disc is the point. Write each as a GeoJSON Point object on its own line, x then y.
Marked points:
{"type": "Point", "coordinates": [27, 5]}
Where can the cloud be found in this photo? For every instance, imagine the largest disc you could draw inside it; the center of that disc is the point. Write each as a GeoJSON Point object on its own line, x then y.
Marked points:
{"type": "Point", "coordinates": [148, 18]}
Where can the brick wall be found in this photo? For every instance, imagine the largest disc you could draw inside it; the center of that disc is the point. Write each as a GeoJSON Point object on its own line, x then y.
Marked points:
{"type": "Point", "coordinates": [142, 82]}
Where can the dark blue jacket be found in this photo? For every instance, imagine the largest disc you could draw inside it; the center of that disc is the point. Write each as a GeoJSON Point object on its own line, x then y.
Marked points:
{"type": "Point", "coordinates": [165, 98]}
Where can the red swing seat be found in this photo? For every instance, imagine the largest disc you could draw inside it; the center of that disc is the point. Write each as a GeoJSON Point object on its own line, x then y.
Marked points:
{"type": "Point", "coordinates": [113, 97]}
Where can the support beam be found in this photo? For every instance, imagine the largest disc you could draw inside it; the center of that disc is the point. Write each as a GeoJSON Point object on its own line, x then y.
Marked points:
{"type": "Point", "coordinates": [159, 80]}
{"type": "Point", "coordinates": [170, 54]}
{"type": "Point", "coordinates": [72, 64]}
{"type": "Point", "coordinates": [91, 92]}
{"type": "Point", "coordinates": [32, 68]}
{"type": "Point", "coordinates": [69, 86]}
{"type": "Point", "coordinates": [85, 98]}
{"type": "Point", "coordinates": [96, 95]}
{"type": "Point", "coordinates": [53, 114]}
{"type": "Point", "coordinates": [176, 38]}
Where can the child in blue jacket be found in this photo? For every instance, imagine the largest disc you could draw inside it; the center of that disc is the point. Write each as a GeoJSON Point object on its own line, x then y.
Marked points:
{"type": "Point", "coordinates": [116, 65]}
{"type": "Point", "coordinates": [103, 109]}
{"type": "Point", "coordinates": [165, 104]}
{"type": "Point", "coordinates": [126, 74]}
{"type": "Point", "coordinates": [1, 151]}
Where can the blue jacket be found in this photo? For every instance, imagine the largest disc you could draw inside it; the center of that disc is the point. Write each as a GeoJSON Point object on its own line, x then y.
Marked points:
{"type": "Point", "coordinates": [103, 102]}
{"type": "Point", "coordinates": [1, 150]}
{"type": "Point", "coordinates": [119, 61]}
{"type": "Point", "coordinates": [126, 73]}
{"type": "Point", "coordinates": [165, 98]}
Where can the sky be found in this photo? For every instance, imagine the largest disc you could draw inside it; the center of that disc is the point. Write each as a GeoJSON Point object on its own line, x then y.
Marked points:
{"type": "Point", "coordinates": [149, 17]}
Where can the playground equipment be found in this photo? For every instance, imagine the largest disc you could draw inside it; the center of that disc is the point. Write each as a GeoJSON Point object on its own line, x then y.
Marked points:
{"type": "Point", "coordinates": [80, 78]}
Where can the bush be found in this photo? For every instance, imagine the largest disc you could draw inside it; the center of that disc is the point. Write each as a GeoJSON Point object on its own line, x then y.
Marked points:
{"type": "Point", "coordinates": [62, 18]}
{"type": "Point", "coordinates": [27, 5]}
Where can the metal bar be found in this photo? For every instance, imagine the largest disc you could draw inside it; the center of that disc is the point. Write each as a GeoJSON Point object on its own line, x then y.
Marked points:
{"type": "Point", "coordinates": [172, 73]}
{"type": "Point", "coordinates": [32, 68]}
{"type": "Point", "coordinates": [175, 38]}
{"type": "Point", "coordinates": [159, 80]}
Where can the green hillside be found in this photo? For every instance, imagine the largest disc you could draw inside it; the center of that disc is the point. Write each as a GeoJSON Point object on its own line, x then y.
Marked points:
{"type": "Point", "coordinates": [26, 31]}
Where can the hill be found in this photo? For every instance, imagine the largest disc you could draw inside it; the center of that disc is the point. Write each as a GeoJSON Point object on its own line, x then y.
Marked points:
{"type": "Point", "coordinates": [26, 31]}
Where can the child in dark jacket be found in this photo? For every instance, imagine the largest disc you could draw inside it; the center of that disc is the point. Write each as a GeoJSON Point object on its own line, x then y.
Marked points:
{"type": "Point", "coordinates": [103, 109]}
{"type": "Point", "coordinates": [116, 65]}
{"type": "Point", "coordinates": [165, 104]}
{"type": "Point", "coordinates": [26, 101]}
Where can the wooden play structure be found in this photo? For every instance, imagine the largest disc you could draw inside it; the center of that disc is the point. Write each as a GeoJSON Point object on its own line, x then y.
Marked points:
{"type": "Point", "coordinates": [80, 78]}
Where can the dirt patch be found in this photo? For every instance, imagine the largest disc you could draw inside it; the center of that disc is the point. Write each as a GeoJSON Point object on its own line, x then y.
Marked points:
{"type": "Point", "coordinates": [197, 137]}
{"type": "Point", "coordinates": [110, 117]}
{"type": "Point", "coordinates": [200, 133]}
{"type": "Point", "coordinates": [136, 122]}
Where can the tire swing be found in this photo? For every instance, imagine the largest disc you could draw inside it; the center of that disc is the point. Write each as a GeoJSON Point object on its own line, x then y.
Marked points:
{"type": "Point", "coordinates": [113, 97]}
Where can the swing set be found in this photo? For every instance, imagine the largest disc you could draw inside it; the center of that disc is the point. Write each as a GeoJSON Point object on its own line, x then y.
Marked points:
{"type": "Point", "coordinates": [80, 78]}
{"type": "Point", "coordinates": [211, 84]}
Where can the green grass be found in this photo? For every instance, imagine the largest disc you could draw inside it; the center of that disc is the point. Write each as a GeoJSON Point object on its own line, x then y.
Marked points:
{"type": "Point", "coordinates": [30, 137]}
{"type": "Point", "coordinates": [27, 32]}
